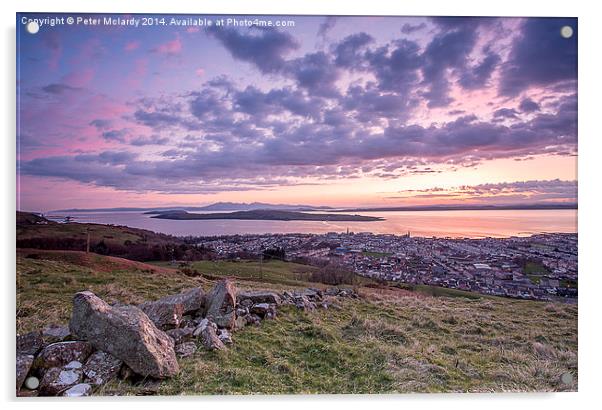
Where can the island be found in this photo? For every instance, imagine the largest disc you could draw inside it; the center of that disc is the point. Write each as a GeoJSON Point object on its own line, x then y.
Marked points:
{"type": "Point", "coordinates": [263, 215]}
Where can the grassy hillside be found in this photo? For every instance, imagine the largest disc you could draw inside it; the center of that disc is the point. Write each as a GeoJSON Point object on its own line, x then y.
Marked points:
{"type": "Point", "coordinates": [390, 340]}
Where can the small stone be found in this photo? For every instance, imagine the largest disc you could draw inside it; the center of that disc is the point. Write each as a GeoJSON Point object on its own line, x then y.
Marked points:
{"type": "Point", "coordinates": [210, 339]}
{"type": "Point", "coordinates": [102, 367]}
{"type": "Point", "coordinates": [32, 383]}
{"type": "Point", "coordinates": [225, 336]}
{"type": "Point", "coordinates": [202, 325]}
{"type": "Point", "coordinates": [185, 349]}
{"type": "Point", "coordinates": [79, 390]}
{"type": "Point", "coordinates": [181, 335]}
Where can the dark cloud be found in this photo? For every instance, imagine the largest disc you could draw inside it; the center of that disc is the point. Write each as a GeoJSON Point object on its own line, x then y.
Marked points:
{"type": "Point", "coordinates": [262, 46]}
{"type": "Point", "coordinates": [505, 113]}
{"type": "Point", "coordinates": [101, 124]}
{"type": "Point", "coordinates": [477, 76]}
{"type": "Point", "coordinates": [115, 135]}
{"type": "Point", "coordinates": [541, 56]}
{"type": "Point", "coordinates": [408, 28]}
{"type": "Point", "coordinates": [528, 105]}
{"type": "Point", "coordinates": [326, 26]}
{"type": "Point", "coordinates": [151, 140]}
{"type": "Point", "coordinates": [58, 88]}
{"type": "Point", "coordinates": [349, 52]}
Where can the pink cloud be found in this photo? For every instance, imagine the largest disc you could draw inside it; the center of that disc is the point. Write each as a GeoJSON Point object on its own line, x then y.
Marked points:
{"type": "Point", "coordinates": [199, 72]}
{"type": "Point", "coordinates": [172, 47]}
{"type": "Point", "coordinates": [79, 78]}
{"type": "Point", "coordinates": [131, 45]}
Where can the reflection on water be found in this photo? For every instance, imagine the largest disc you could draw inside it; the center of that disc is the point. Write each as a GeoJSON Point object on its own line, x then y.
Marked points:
{"type": "Point", "coordinates": [472, 224]}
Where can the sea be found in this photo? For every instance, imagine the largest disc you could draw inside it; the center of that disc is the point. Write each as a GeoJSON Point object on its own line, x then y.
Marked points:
{"type": "Point", "coordinates": [455, 224]}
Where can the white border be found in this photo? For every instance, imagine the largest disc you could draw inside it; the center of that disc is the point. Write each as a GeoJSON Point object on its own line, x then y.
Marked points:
{"type": "Point", "coordinates": [589, 189]}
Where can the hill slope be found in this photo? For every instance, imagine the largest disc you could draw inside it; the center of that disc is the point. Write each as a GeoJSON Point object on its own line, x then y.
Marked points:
{"type": "Point", "coordinates": [390, 340]}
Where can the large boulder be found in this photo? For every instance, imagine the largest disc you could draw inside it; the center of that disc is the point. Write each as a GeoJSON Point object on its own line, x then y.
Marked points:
{"type": "Point", "coordinates": [24, 362]}
{"type": "Point", "coordinates": [165, 315]}
{"type": "Point", "coordinates": [221, 304]}
{"type": "Point", "coordinates": [259, 296]}
{"type": "Point", "coordinates": [56, 380]}
{"type": "Point", "coordinates": [101, 367]}
{"type": "Point", "coordinates": [60, 354]}
{"type": "Point", "coordinates": [30, 343]}
{"type": "Point", "coordinates": [126, 333]}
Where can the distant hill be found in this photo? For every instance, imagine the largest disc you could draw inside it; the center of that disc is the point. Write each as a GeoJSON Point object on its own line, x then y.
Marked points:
{"type": "Point", "coordinates": [463, 207]}
{"type": "Point", "coordinates": [265, 214]}
{"type": "Point", "coordinates": [218, 206]}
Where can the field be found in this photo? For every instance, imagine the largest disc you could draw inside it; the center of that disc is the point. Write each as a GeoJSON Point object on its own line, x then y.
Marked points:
{"type": "Point", "coordinates": [390, 340]}
{"type": "Point", "coordinates": [275, 272]}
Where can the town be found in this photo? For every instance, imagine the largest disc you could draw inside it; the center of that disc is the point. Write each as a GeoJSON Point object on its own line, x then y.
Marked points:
{"type": "Point", "coordinates": [538, 267]}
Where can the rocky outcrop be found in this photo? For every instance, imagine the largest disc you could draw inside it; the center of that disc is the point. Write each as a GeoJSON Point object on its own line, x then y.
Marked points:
{"type": "Point", "coordinates": [221, 304]}
{"type": "Point", "coordinates": [103, 342]}
{"type": "Point", "coordinates": [126, 333]}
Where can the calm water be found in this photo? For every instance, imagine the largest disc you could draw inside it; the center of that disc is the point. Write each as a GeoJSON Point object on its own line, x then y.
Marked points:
{"type": "Point", "coordinates": [472, 224]}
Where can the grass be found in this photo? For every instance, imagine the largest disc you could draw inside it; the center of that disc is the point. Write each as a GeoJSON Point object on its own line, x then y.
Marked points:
{"type": "Point", "coordinates": [273, 271]}
{"type": "Point", "coordinates": [390, 340]}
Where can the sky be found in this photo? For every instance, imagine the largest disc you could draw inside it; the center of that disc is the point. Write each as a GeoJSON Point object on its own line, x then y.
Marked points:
{"type": "Point", "coordinates": [338, 111]}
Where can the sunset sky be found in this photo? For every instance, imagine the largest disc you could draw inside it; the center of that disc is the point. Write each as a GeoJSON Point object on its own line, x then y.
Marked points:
{"type": "Point", "coordinates": [340, 111]}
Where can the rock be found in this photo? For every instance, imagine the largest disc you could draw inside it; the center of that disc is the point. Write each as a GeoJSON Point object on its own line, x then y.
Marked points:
{"type": "Point", "coordinates": [253, 319]}
{"type": "Point", "coordinates": [241, 321]}
{"type": "Point", "coordinates": [225, 336]}
{"type": "Point", "coordinates": [185, 349]}
{"type": "Point", "coordinates": [260, 296]}
{"type": "Point", "coordinates": [221, 304]}
{"type": "Point", "coordinates": [32, 383]}
{"type": "Point", "coordinates": [79, 390]}
{"type": "Point", "coordinates": [202, 325]}
{"type": "Point", "coordinates": [180, 335]}
{"type": "Point", "coordinates": [126, 333]}
{"type": "Point", "coordinates": [303, 303]}
{"type": "Point", "coordinates": [245, 303]}
{"type": "Point", "coordinates": [30, 343]}
{"type": "Point", "coordinates": [210, 339]}
{"type": "Point", "coordinates": [126, 373]}
{"type": "Point", "coordinates": [165, 315]}
{"type": "Point", "coordinates": [101, 367]}
{"type": "Point", "coordinates": [264, 310]}
{"type": "Point", "coordinates": [24, 362]}
{"type": "Point", "coordinates": [56, 380]}
{"type": "Point", "coordinates": [61, 353]}
{"type": "Point", "coordinates": [192, 300]}
{"type": "Point", "coordinates": [55, 334]}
